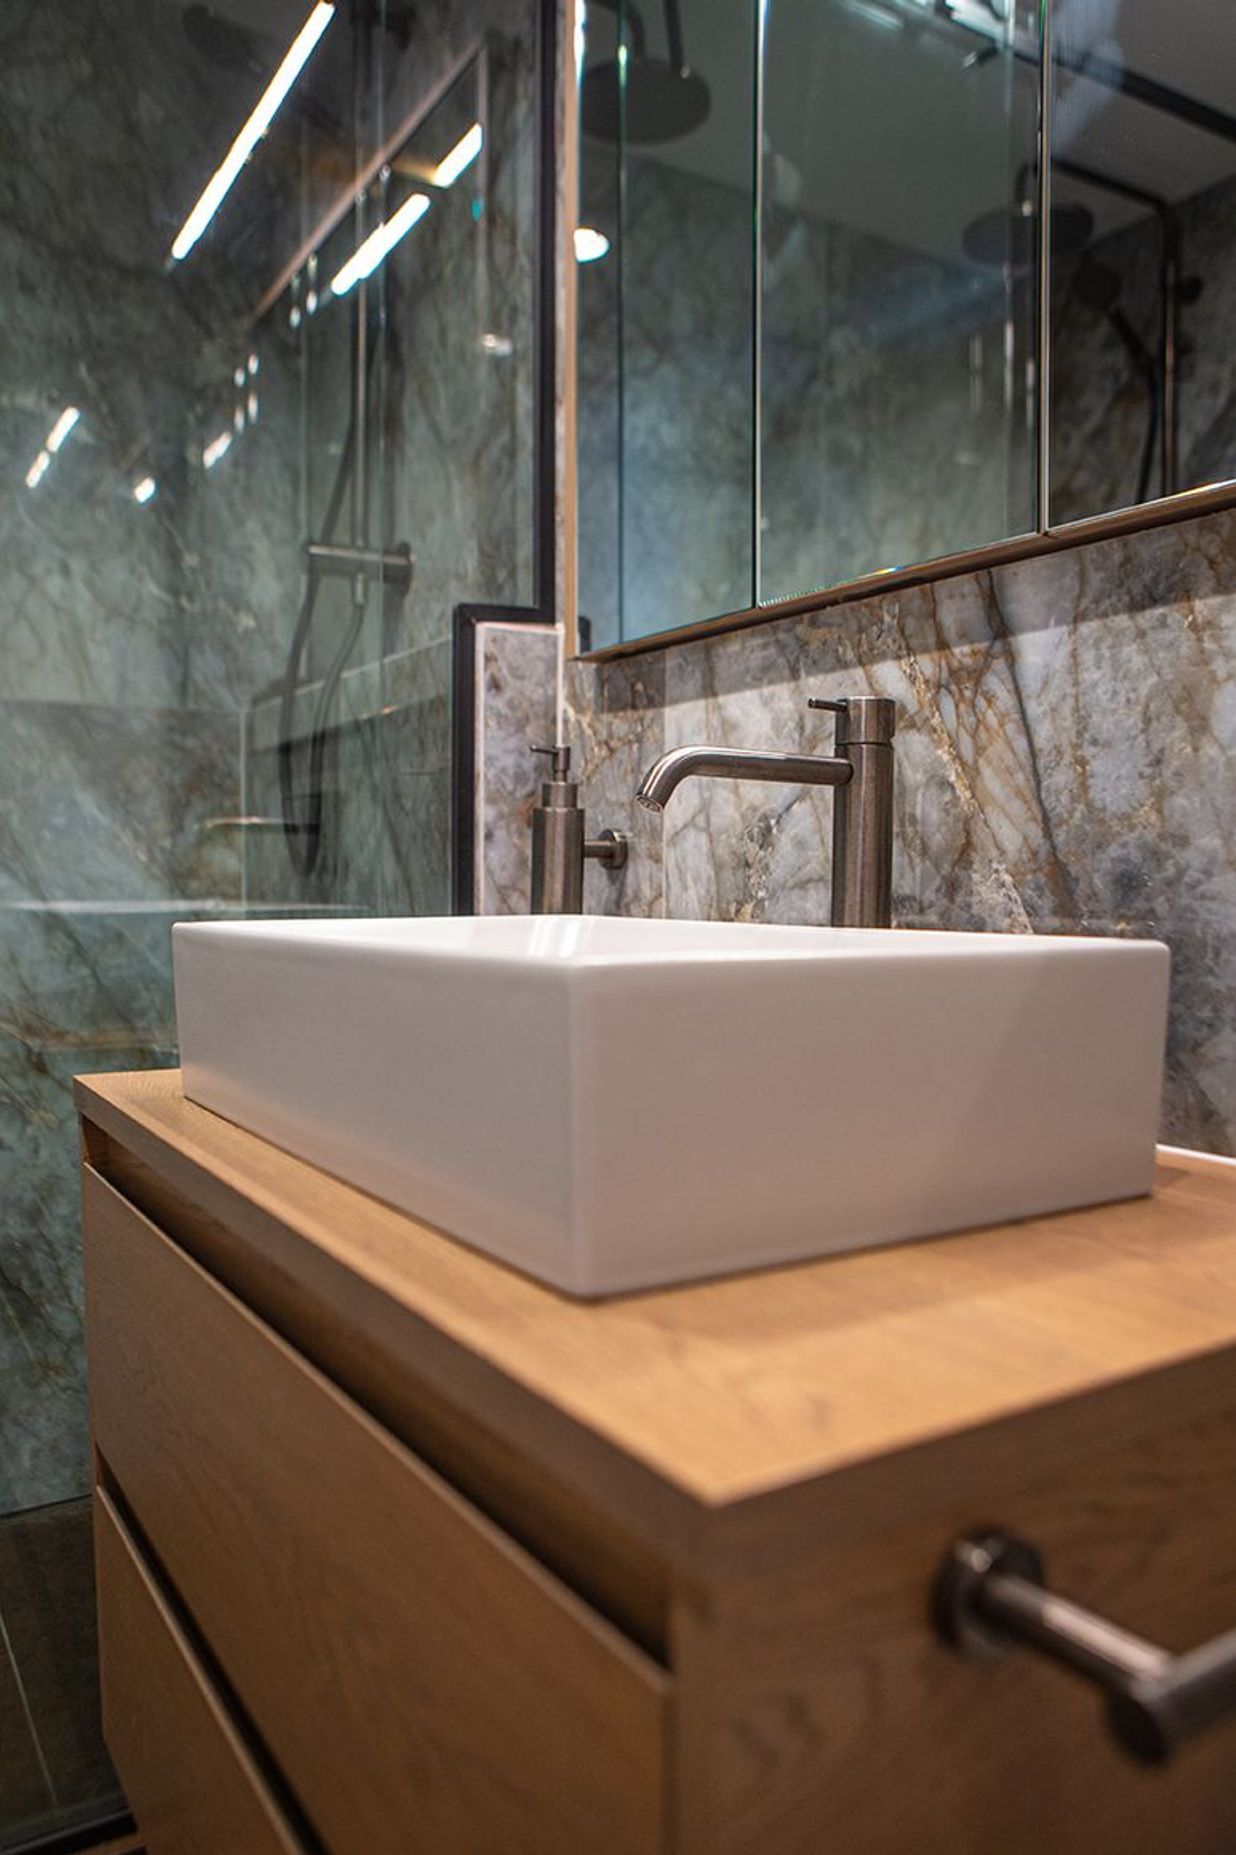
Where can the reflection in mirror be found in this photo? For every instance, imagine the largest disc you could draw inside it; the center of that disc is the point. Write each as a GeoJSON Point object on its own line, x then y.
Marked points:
{"type": "Point", "coordinates": [666, 320]}
{"type": "Point", "coordinates": [898, 279]}
{"type": "Point", "coordinates": [874, 404]}
{"type": "Point", "coordinates": [1143, 354]}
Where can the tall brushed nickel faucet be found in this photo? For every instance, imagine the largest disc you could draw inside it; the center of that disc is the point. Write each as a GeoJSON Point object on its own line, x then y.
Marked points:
{"type": "Point", "coordinates": [861, 769]}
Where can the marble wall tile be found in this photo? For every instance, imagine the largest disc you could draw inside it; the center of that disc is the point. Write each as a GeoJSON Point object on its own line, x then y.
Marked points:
{"type": "Point", "coordinates": [1066, 762]}
{"type": "Point", "coordinates": [518, 668]}
{"type": "Point", "coordinates": [615, 720]}
{"type": "Point", "coordinates": [110, 802]}
{"type": "Point", "coordinates": [84, 986]}
{"type": "Point", "coordinates": [106, 112]}
{"type": "Point", "coordinates": [44, 1455]}
{"type": "Point", "coordinates": [386, 782]}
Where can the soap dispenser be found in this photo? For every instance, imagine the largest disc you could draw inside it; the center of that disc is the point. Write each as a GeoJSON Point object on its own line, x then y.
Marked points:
{"type": "Point", "coordinates": [559, 844]}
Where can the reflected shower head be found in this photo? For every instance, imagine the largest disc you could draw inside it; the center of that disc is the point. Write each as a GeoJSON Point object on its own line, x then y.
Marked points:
{"type": "Point", "coordinates": [661, 103]}
{"type": "Point", "coordinates": [1009, 236]}
{"type": "Point", "coordinates": [657, 100]}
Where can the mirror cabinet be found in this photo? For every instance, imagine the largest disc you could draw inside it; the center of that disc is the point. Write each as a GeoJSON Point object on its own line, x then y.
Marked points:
{"type": "Point", "coordinates": [837, 318]}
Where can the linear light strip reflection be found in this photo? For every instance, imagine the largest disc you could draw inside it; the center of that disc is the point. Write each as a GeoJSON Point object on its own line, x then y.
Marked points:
{"type": "Point", "coordinates": [216, 449]}
{"type": "Point", "coordinates": [220, 183]}
{"type": "Point", "coordinates": [461, 156]}
{"type": "Point", "coordinates": [51, 444]}
{"type": "Point", "coordinates": [61, 429]}
{"type": "Point", "coordinates": [382, 239]}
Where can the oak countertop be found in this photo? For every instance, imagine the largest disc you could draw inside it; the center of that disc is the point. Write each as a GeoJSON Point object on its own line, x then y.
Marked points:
{"type": "Point", "coordinates": [728, 1409]}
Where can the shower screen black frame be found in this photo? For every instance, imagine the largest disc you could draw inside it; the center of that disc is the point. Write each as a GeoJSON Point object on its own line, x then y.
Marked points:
{"type": "Point", "coordinates": [467, 617]}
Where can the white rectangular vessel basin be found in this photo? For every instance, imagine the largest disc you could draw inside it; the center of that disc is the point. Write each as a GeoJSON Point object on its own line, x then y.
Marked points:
{"type": "Point", "coordinates": [612, 1103]}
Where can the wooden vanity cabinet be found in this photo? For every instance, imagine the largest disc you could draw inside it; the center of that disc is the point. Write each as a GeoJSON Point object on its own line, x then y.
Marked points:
{"type": "Point", "coordinates": [400, 1551]}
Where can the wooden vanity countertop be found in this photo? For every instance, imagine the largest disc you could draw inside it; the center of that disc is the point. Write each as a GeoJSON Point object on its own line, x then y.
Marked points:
{"type": "Point", "coordinates": [745, 1401]}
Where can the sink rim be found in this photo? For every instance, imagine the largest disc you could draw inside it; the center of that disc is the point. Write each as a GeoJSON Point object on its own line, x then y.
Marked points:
{"type": "Point", "coordinates": [547, 942]}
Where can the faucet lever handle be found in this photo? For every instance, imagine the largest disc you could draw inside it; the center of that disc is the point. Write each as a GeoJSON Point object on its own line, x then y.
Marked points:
{"type": "Point", "coordinates": [864, 720]}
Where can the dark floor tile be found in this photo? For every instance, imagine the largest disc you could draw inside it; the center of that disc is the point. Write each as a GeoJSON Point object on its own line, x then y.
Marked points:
{"type": "Point", "coordinates": [47, 1597]}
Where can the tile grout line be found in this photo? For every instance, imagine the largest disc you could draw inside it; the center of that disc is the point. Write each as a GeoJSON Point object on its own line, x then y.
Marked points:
{"type": "Point", "coordinates": [7, 1645]}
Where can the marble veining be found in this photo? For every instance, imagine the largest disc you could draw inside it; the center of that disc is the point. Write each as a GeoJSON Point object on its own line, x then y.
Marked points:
{"type": "Point", "coordinates": [517, 710]}
{"type": "Point", "coordinates": [85, 986]}
{"type": "Point", "coordinates": [386, 783]}
{"type": "Point", "coordinates": [1065, 763]}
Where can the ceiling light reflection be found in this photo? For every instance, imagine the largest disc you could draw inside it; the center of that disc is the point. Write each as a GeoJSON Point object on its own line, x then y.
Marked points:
{"type": "Point", "coordinates": [462, 155]}
{"type": "Point", "coordinates": [589, 244]}
{"type": "Point", "coordinates": [384, 238]}
{"type": "Point", "coordinates": [51, 444]}
{"type": "Point", "coordinates": [144, 489]}
{"type": "Point", "coordinates": [61, 429]}
{"type": "Point", "coordinates": [221, 181]}
{"type": "Point", "coordinates": [217, 448]}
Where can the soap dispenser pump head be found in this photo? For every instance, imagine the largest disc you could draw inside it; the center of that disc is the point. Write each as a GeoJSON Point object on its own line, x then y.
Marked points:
{"type": "Point", "coordinates": [559, 791]}
{"type": "Point", "coordinates": [559, 760]}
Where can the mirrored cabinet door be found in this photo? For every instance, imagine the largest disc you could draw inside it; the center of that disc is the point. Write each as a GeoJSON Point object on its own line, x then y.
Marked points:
{"type": "Point", "coordinates": [898, 281]}
{"type": "Point", "coordinates": [666, 295]}
{"type": "Point", "coordinates": [1143, 293]}
{"type": "Point", "coordinates": [807, 262]}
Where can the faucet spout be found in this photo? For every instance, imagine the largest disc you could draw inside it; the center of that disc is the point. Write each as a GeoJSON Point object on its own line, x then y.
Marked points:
{"type": "Point", "coordinates": [664, 778]}
{"type": "Point", "coordinates": [862, 772]}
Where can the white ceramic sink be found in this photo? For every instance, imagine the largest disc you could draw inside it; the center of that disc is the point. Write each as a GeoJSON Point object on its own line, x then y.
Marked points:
{"type": "Point", "coordinates": [610, 1103]}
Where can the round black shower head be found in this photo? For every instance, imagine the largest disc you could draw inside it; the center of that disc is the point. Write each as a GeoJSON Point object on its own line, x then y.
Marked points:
{"type": "Point", "coordinates": [661, 103]}
{"type": "Point", "coordinates": [664, 98]}
{"type": "Point", "coordinates": [1009, 236]}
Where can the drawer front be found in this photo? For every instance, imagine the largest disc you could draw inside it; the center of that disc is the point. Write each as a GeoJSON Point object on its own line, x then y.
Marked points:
{"type": "Point", "coordinates": [421, 1682]}
{"type": "Point", "coordinates": [826, 1712]}
{"type": "Point", "coordinates": [193, 1786]}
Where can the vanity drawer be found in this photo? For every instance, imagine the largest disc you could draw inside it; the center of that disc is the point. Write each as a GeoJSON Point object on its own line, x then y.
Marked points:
{"type": "Point", "coordinates": [421, 1682]}
{"type": "Point", "coordinates": [193, 1785]}
{"type": "Point", "coordinates": [825, 1710]}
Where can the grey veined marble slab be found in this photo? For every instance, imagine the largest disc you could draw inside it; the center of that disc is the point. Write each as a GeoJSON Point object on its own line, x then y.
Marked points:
{"type": "Point", "coordinates": [1066, 762]}
{"type": "Point", "coordinates": [84, 986]}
